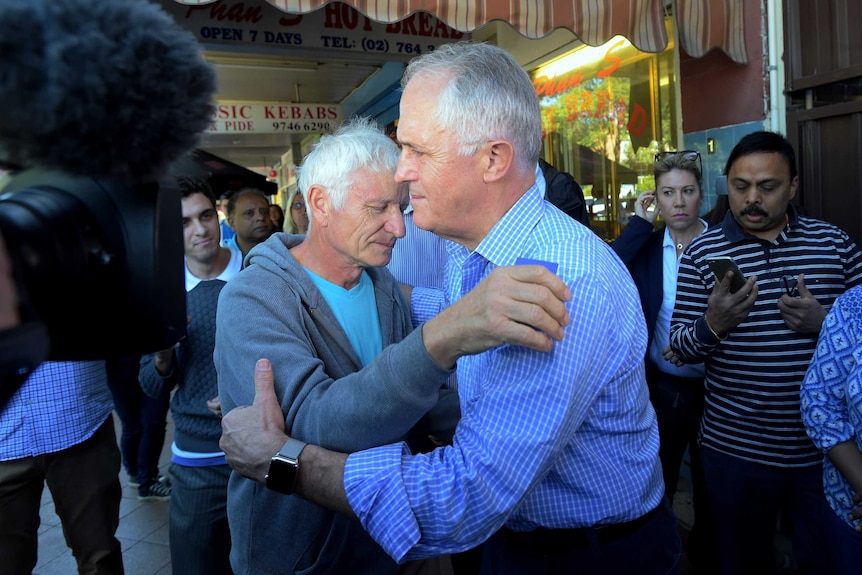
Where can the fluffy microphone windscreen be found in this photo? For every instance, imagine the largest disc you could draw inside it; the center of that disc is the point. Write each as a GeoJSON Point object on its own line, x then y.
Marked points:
{"type": "Point", "coordinates": [100, 88]}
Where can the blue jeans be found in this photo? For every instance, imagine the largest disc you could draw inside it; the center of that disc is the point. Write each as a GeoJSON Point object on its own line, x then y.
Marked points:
{"type": "Point", "coordinates": [746, 499]}
{"type": "Point", "coordinates": [143, 420]}
{"type": "Point", "coordinates": [846, 546]}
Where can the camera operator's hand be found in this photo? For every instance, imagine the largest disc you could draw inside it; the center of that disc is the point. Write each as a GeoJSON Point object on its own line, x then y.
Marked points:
{"type": "Point", "coordinates": [9, 316]}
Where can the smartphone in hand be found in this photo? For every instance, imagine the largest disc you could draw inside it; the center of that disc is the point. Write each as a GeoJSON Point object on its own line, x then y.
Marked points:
{"type": "Point", "coordinates": [720, 265]}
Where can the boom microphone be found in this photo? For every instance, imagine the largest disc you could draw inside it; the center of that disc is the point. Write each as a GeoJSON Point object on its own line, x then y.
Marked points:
{"type": "Point", "coordinates": [99, 88]}
{"type": "Point", "coordinates": [97, 99]}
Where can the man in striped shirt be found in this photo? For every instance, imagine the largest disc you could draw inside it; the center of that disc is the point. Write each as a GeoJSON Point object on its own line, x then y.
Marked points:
{"type": "Point", "coordinates": [756, 344]}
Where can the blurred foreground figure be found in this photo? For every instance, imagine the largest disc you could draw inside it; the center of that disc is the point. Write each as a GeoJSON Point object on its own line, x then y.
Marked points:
{"type": "Point", "coordinates": [96, 102]}
{"type": "Point", "coordinates": [97, 99]}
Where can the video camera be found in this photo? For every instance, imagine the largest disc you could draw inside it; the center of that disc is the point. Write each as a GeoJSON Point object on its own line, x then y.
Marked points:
{"type": "Point", "coordinates": [97, 100]}
{"type": "Point", "coordinates": [100, 263]}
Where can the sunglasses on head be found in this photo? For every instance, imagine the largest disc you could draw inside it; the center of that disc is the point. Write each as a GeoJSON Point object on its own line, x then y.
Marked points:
{"type": "Point", "coordinates": [683, 154]}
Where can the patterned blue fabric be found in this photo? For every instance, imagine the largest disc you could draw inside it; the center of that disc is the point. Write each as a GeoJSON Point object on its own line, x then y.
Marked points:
{"type": "Point", "coordinates": [60, 405]}
{"type": "Point", "coordinates": [566, 438]}
{"type": "Point", "coordinates": [831, 395]}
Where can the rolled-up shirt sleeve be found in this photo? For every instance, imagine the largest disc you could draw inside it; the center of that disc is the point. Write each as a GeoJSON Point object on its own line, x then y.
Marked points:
{"type": "Point", "coordinates": [367, 474]}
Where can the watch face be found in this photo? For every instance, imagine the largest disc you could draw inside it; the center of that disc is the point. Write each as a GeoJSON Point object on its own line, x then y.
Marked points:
{"type": "Point", "coordinates": [282, 475]}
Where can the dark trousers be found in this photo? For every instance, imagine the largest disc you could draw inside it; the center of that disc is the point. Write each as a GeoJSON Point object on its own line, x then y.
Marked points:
{"type": "Point", "coordinates": [651, 549]}
{"type": "Point", "coordinates": [747, 498]}
{"type": "Point", "coordinates": [678, 404]}
{"type": "Point", "coordinates": [197, 516]}
{"type": "Point", "coordinates": [86, 493]}
{"type": "Point", "coordinates": [846, 546]}
{"type": "Point", "coordinates": [143, 419]}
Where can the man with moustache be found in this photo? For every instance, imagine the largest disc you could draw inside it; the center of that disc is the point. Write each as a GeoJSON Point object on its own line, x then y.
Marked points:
{"type": "Point", "coordinates": [197, 514]}
{"type": "Point", "coordinates": [756, 344]}
{"type": "Point", "coordinates": [248, 216]}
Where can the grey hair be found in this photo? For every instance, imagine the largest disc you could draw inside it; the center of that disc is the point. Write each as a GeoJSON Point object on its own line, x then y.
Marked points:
{"type": "Point", "coordinates": [358, 144]}
{"type": "Point", "coordinates": [488, 97]}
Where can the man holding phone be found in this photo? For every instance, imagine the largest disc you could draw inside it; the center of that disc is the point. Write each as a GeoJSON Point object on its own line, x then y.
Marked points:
{"type": "Point", "coordinates": [756, 343]}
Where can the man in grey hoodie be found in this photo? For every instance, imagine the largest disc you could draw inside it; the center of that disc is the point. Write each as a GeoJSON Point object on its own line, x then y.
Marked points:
{"type": "Point", "coordinates": [350, 371]}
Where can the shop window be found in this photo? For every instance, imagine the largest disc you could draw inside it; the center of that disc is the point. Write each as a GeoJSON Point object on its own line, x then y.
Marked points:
{"type": "Point", "coordinates": [606, 112]}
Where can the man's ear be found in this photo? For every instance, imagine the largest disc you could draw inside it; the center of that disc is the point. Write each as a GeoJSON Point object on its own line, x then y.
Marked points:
{"type": "Point", "coordinates": [318, 205]}
{"type": "Point", "coordinates": [794, 186]}
{"type": "Point", "coordinates": [497, 158]}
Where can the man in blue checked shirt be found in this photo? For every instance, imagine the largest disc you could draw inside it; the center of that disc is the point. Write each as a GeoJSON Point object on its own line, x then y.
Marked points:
{"type": "Point", "coordinates": [554, 464]}
{"type": "Point", "coordinates": [57, 429]}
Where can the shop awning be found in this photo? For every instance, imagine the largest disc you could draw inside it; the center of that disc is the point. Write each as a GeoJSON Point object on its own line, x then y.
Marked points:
{"type": "Point", "coordinates": [707, 24]}
{"type": "Point", "coordinates": [702, 24]}
{"type": "Point", "coordinates": [222, 175]}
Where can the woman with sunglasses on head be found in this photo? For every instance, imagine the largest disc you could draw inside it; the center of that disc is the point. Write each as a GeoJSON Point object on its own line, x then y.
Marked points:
{"type": "Point", "coordinates": [652, 256]}
{"type": "Point", "coordinates": [297, 223]}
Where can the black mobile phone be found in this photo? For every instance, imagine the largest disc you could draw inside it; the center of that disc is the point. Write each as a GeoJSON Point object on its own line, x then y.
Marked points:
{"type": "Point", "coordinates": [720, 265]}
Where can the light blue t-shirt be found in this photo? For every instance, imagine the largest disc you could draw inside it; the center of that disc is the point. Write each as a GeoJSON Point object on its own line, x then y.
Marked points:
{"type": "Point", "coordinates": [356, 311]}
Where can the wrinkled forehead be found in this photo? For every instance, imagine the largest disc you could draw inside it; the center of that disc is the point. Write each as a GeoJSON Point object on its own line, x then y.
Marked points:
{"type": "Point", "coordinates": [677, 177]}
{"type": "Point", "coordinates": [418, 109]}
{"type": "Point", "coordinates": [375, 187]}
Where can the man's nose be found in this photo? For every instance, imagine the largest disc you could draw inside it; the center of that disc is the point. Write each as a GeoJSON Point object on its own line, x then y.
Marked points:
{"type": "Point", "coordinates": [752, 195]}
{"type": "Point", "coordinates": [395, 224]}
{"type": "Point", "coordinates": [406, 170]}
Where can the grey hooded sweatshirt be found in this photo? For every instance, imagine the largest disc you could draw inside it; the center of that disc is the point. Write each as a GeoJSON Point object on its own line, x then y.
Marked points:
{"type": "Point", "coordinates": [273, 310]}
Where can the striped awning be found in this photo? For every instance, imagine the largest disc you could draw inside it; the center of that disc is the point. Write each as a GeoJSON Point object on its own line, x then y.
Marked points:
{"type": "Point", "coordinates": [703, 24]}
{"type": "Point", "coordinates": [707, 24]}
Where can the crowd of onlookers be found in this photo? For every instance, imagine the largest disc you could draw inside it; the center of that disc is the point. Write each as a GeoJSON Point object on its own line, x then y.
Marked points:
{"type": "Point", "coordinates": [754, 383]}
{"type": "Point", "coordinates": [482, 385]}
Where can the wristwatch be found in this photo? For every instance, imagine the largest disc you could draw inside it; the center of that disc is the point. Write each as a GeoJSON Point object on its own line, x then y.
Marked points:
{"type": "Point", "coordinates": [284, 466]}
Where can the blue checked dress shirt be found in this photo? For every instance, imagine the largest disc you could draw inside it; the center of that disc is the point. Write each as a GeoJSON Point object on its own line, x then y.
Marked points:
{"type": "Point", "coordinates": [61, 404]}
{"type": "Point", "coordinates": [561, 439]}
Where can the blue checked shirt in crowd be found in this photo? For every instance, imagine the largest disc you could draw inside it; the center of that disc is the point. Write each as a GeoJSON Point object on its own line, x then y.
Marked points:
{"type": "Point", "coordinates": [561, 439]}
{"type": "Point", "coordinates": [61, 404]}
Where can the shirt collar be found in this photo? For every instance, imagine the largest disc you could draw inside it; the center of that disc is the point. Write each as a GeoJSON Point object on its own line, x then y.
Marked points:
{"type": "Point", "coordinates": [501, 245]}
{"type": "Point", "coordinates": [736, 233]}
